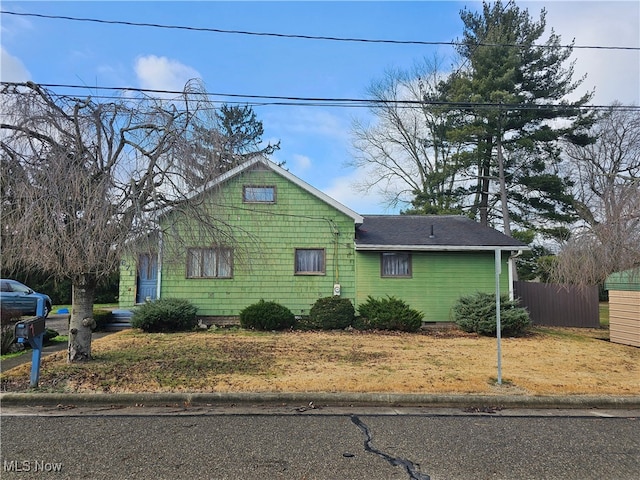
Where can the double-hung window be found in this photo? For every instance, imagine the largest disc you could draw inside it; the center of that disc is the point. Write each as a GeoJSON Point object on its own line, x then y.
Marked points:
{"type": "Point", "coordinates": [395, 264]}
{"type": "Point", "coordinates": [215, 262]}
{"type": "Point", "coordinates": [309, 261]}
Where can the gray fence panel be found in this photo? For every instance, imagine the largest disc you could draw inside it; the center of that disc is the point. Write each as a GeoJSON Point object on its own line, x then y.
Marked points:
{"type": "Point", "coordinates": [559, 305]}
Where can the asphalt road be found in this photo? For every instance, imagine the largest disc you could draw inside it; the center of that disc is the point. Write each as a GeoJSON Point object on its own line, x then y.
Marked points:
{"type": "Point", "coordinates": [331, 443]}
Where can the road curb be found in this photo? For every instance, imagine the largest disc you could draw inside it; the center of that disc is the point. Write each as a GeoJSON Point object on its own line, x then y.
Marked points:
{"type": "Point", "coordinates": [325, 399]}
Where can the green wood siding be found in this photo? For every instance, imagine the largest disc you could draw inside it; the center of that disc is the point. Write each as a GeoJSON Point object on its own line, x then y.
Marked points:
{"type": "Point", "coordinates": [265, 236]}
{"type": "Point", "coordinates": [265, 239]}
{"type": "Point", "coordinates": [438, 280]}
{"type": "Point", "coordinates": [127, 287]}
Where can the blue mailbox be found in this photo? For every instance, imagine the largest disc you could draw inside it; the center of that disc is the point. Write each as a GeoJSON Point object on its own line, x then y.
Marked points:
{"type": "Point", "coordinates": [32, 332]}
{"type": "Point", "coordinates": [29, 329]}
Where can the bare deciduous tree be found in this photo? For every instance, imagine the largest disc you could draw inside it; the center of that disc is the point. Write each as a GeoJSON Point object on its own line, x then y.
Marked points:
{"type": "Point", "coordinates": [407, 153]}
{"type": "Point", "coordinates": [220, 139]}
{"type": "Point", "coordinates": [80, 179]}
{"type": "Point", "coordinates": [606, 174]}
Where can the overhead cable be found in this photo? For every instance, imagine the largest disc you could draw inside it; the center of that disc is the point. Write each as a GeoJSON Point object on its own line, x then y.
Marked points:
{"type": "Point", "coordinates": [303, 37]}
{"type": "Point", "coordinates": [272, 100]}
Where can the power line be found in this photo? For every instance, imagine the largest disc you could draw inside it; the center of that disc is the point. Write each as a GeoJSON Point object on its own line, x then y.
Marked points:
{"type": "Point", "coordinates": [299, 36]}
{"type": "Point", "coordinates": [271, 100]}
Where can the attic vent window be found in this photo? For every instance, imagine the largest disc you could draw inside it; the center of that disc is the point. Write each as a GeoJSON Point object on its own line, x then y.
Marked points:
{"type": "Point", "coordinates": [259, 194]}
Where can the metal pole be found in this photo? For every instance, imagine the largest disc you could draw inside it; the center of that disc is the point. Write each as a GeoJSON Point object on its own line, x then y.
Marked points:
{"type": "Point", "coordinates": [498, 268]}
{"type": "Point", "coordinates": [36, 354]}
{"type": "Point", "coordinates": [36, 347]}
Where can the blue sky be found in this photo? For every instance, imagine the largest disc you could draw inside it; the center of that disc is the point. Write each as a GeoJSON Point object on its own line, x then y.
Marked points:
{"type": "Point", "coordinates": [315, 141]}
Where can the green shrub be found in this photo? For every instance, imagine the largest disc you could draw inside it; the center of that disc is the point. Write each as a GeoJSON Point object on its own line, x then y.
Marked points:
{"type": "Point", "coordinates": [477, 313]}
{"type": "Point", "coordinates": [165, 315]}
{"type": "Point", "coordinates": [8, 319]}
{"type": "Point", "coordinates": [304, 323]}
{"type": "Point", "coordinates": [267, 316]}
{"type": "Point", "coordinates": [102, 319]}
{"type": "Point", "coordinates": [389, 314]}
{"type": "Point", "coordinates": [49, 333]}
{"type": "Point", "coordinates": [7, 339]}
{"type": "Point", "coordinates": [331, 313]}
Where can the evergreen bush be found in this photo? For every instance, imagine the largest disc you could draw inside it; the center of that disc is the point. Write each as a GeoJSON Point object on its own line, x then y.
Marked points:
{"type": "Point", "coordinates": [389, 313]}
{"type": "Point", "coordinates": [331, 313]}
{"type": "Point", "coordinates": [102, 319]}
{"type": "Point", "coordinates": [165, 315]}
{"type": "Point", "coordinates": [7, 339]}
{"type": "Point", "coordinates": [8, 319]}
{"type": "Point", "coordinates": [267, 316]}
{"type": "Point", "coordinates": [477, 313]}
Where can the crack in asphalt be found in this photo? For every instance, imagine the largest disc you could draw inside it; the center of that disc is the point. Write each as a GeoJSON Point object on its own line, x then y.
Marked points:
{"type": "Point", "coordinates": [411, 468]}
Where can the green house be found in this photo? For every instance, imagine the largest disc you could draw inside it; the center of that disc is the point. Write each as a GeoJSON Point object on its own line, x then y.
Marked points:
{"type": "Point", "coordinates": [281, 239]}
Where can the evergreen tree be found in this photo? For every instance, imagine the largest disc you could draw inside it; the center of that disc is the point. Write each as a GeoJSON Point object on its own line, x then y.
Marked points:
{"type": "Point", "coordinates": [224, 141]}
{"type": "Point", "coordinates": [412, 155]}
{"type": "Point", "coordinates": [218, 139]}
{"type": "Point", "coordinates": [513, 92]}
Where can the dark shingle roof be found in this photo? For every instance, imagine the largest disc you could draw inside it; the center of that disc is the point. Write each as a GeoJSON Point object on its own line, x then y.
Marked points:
{"type": "Point", "coordinates": [414, 232]}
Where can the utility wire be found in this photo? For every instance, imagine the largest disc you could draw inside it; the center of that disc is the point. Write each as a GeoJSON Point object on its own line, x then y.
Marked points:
{"type": "Point", "coordinates": [270, 100]}
{"type": "Point", "coordinates": [298, 36]}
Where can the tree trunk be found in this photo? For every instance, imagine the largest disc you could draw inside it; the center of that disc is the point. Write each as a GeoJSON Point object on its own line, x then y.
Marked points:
{"type": "Point", "coordinates": [506, 219]}
{"type": "Point", "coordinates": [485, 149]}
{"type": "Point", "coordinates": [484, 194]}
{"type": "Point", "coordinates": [82, 322]}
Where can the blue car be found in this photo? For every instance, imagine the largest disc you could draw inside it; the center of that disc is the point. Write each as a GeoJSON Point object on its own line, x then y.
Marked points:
{"type": "Point", "coordinates": [18, 299]}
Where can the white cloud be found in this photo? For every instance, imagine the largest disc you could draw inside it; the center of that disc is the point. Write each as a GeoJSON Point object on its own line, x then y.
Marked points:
{"type": "Point", "coordinates": [615, 74]}
{"type": "Point", "coordinates": [308, 121]}
{"type": "Point", "coordinates": [344, 190]}
{"type": "Point", "coordinates": [13, 26]}
{"type": "Point", "coordinates": [162, 73]}
{"type": "Point", "coordinates": [301, 163]}
{"type": "Point", "coordinates": [12, 69]}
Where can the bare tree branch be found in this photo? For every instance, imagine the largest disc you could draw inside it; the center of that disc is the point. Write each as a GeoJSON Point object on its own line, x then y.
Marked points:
{"type": "Point", "coordinates": [81, 180]}
{"type": "Point", "coordinates": [606, 174]}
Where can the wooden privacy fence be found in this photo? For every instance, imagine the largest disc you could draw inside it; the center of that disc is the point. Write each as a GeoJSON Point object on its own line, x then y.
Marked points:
{"type": "Point", "coordinates": [559, 305]}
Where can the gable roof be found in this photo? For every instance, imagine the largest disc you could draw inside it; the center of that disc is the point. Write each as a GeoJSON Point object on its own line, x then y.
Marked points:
{"type": "Point", "coordinates": [430, 232]}
{"type": "Point", "coordinates": [260, 161]}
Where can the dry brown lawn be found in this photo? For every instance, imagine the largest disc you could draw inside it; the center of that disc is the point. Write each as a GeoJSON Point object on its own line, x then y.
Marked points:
{"type": "Point", "coordinates": [547, 361]}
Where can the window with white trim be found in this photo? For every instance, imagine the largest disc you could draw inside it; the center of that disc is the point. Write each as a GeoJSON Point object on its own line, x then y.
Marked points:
{"type": "Point", "coordinates": [309, 261]}
{"type": "Point", "coordinates": [395, 264]}
{"type": "Point", "coordinates": [216, 262]}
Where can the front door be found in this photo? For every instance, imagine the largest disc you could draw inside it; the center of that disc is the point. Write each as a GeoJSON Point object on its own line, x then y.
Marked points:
{"type": "Point", "coordinates": [147, 277]}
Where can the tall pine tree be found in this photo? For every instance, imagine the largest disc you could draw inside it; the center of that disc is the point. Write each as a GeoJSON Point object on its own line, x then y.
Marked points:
{"type": "Point", "coordinates": [514, 92]}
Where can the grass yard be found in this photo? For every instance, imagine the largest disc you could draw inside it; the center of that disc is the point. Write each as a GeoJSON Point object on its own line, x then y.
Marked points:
{"type": "Point", "coordinates": [603, 308]}
{"type": "Point", "coordinates": [546, 361]}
